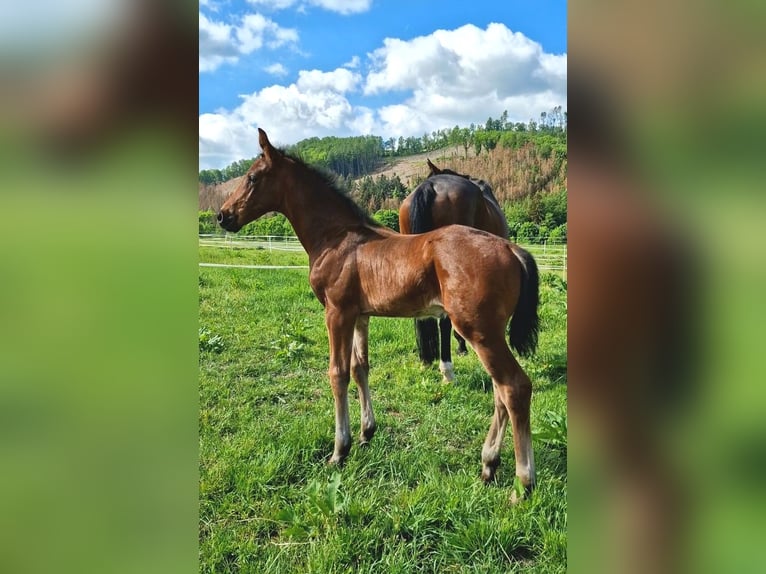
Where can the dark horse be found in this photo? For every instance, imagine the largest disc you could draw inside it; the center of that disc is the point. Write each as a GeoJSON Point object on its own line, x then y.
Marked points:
{"type": "Point", "coordinates": [447, 198]}
{"type": "Point", "coordinates": [360, 269]}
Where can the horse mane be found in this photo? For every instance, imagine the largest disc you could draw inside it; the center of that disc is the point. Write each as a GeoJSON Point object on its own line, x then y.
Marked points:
{"type": "Point", "coordinates": [330, 180]}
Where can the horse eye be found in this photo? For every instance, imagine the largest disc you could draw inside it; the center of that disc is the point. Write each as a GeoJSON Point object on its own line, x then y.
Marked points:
{"type": "Point", "coordinates": [251, 177]}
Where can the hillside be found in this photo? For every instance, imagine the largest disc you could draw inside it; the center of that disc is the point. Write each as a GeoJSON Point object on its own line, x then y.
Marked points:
{"type": "Point", "coordinates": [518, 160]}
{"type": "Point", "coordinates": [412, 169]}
{"type": "Point", "coordinates": [212, 196]}
{"type": "Point", "coordinates": [514, 173]}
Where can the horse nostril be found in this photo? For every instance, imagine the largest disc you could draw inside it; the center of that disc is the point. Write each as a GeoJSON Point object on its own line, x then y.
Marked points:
{"type": "Point", "coordinates": [220, 217]}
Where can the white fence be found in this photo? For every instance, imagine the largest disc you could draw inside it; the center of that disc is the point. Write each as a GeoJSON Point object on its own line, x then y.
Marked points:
{"type": "Point", "coordinates": [270, 242]}
{"type": "Point", "coordinates": [549, 257]}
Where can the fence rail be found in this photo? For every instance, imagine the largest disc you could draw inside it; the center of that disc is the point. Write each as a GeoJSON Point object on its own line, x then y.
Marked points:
{"type": "Point", "coordinates": [549, 257]}
{"type": "Point", "coordinates": [270, 242]}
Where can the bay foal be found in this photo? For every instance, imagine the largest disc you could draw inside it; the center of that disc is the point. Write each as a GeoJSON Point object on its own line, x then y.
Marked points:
{"type": "Point", "coordinates": [360, 269]}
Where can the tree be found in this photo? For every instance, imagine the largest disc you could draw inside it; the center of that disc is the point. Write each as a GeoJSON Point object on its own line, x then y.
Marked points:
{"type": "Point", "coordinates": [388, 217]}
{"type": "Point", "coordinates": [465, 134]}
{"type": "Point", "coordinates": [504, 120]}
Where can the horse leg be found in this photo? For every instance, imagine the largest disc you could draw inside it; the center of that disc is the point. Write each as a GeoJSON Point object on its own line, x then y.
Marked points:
{"type": "Point", "coordinates": [360, 370]}
{"type": "Point", "coordinates": [427, 336]}
{"type": "Point", "coordinates": [461, 348]}
{"type": "Point", "coordinates": [490, 452]}
{"type": "Point", "coordinates": [340, 328]}
{"type": "Point", "coordinates": [445, 364]}
{"type": "Point", "coordinates": [513, 391]}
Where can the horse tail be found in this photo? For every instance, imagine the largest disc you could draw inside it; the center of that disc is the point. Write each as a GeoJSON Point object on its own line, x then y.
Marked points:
{"type": "Point", "coordinates": [525, 323]}
{"type": "Point", "coordinates": [422, 220]}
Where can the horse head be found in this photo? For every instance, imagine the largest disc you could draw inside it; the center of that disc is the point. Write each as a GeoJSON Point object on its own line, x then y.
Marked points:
{"type": "Point", "coordinates": [257, 193]}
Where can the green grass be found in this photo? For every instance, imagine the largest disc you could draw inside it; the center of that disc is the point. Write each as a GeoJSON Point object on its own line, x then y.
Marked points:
{"type": "Point", "coordinates": [411, 501]}
{"type": "Point", "coordinates": [251, 256]}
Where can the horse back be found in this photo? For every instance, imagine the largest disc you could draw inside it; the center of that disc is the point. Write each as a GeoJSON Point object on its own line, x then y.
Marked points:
{"type": "Point", "coordinates": [457, 201]}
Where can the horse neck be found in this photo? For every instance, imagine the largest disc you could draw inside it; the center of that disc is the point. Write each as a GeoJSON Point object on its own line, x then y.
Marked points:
{"type": "Point", "coordinates": [316, 212]}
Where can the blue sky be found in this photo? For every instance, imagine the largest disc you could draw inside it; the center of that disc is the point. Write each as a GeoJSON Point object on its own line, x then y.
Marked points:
{"type": "Point", "coordinates": [304, 68]}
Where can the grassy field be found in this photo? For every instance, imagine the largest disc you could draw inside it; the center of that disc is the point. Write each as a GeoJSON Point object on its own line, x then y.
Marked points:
{"type": "Point", "coordinates": [412, 501]}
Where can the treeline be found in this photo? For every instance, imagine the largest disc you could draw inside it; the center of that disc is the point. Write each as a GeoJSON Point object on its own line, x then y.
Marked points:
{"type": "Point", "coordinates": [348, 157]}
{"type": "Point", "coordinates": [549, 132]}
{"type": "Point", "coordinates": [356, 156]}
{"type": "Point", "coordinates": [274, 224]}
{"type": "Point", "coordinates": [235, 169]}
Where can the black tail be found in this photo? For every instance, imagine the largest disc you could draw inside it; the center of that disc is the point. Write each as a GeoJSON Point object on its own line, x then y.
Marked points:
{"type": "Point", "coordinates": [522, 332]}
{"type": "Point", "coordinates": [421, 218]}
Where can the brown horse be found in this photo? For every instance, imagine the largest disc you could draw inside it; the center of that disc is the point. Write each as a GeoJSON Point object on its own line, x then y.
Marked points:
{"type": "Point", "coordinates": [360, 269]}
{"type": "Point", "coordinates": [445, 198]}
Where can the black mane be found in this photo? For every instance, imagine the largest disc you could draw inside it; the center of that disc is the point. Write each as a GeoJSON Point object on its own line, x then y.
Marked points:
{"type": "Point", "coordinates": [329, 179]}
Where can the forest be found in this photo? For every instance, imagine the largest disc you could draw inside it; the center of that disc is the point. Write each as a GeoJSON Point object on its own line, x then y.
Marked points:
{"type": "Point", "coordinates": [356, 156]}
{"type": "Point", "coordinates": [525, 163]}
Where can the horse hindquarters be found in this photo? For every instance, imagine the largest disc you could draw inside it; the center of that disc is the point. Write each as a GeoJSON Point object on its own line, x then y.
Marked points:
{"type": "Point", "coordinates": [507, 286]}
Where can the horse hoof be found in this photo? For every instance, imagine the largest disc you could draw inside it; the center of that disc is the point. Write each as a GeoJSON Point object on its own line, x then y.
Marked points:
{"type": "Point", "coordinates": [364, 441]}
{"type": "Point", "coordinates": [336, 461]}
{"type": "Point", "coordinates": [520, 493]}
{"type": "Point", "coordinates": [447, 372]}
{"type": "Point", "coordinates": [488, 474]}
{"type": "Point", "coordinates": [366, 437]}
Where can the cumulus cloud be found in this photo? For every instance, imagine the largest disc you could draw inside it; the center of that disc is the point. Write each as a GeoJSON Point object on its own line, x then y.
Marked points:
{"type": "Point", "coordinates": [340, 80]}
{"type": "Point", "coordinates": [448, 78]}
{"type": "Point", "coordinates": [315, 105]}
{"type": "Point", "coordinates": [221, 43]}
{"type": "Point", "coordinates": [276, 69]}
{"type": "Point", "coordinates": [353, 63]}
{"type": "Point", "coordinates": [215, 44]}
{"type": "Point", "coordinates": [339, 6]}
{"type": "Point", "coordinates": [457, 76]}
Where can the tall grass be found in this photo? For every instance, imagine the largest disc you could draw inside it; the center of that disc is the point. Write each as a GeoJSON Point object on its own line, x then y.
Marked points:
{"type": "Point", "coordinates": [412, 500]}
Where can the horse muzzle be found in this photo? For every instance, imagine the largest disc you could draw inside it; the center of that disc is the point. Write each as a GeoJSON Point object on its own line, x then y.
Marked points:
{"type": "Point", "coordinates": [228, 221]}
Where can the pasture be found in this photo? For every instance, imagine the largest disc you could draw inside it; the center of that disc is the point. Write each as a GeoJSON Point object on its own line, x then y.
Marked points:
{"type": "Point", "coordinates": [411, 501]}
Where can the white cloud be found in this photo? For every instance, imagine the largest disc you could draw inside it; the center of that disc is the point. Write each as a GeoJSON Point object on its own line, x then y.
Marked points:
{"type": "Point", "coordinates": [339, 6]}
{"type": "Point", "coordinates": [448, 78]}
{"type": "Point", "coordinates": [464, 75]}
{"type": "Point", "coordinates": [276, 69]}
{"type": "Point", "coordinates": [224, 141]}
{"type": "Point", "coordinates": [215, 45]}
{"type": "Point", "coordinates": [221, 43]}
{"type": "Point", "coordinates": [353, 63]}
{"type": "Point", "coordinates": [315, 105]}
{"type": "Point", "coordinates": [340, 80]}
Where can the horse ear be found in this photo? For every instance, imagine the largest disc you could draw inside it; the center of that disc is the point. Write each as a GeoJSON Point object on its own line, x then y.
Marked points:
{"type": "Point", "coordinates": [263, 139]}
{"type": "Point", "coordinates": [434, 170]}
{"type": "Point", "coordinates": [266, 146]}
